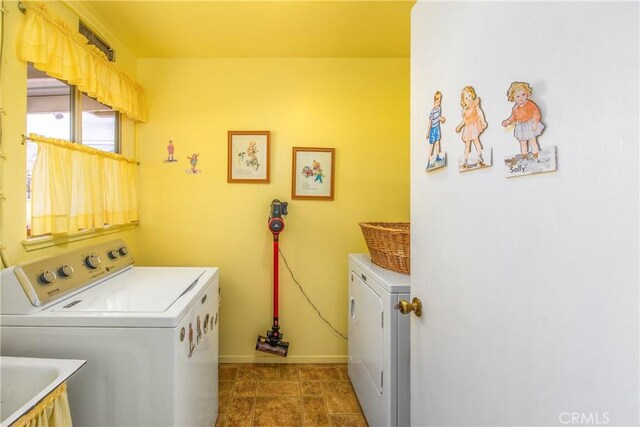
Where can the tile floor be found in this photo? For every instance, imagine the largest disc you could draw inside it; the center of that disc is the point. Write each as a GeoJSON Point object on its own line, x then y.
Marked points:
{"type": "Point", "coordinates": [284, 395]}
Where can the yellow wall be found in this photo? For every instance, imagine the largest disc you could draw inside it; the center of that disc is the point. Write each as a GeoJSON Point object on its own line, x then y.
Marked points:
{"type": "Point", "coordinates": [13, 100]}
{"type": "Point", "coordinates": [357, 106]}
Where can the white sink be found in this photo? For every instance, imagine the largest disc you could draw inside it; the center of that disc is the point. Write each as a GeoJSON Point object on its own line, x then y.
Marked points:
{"type": "Point", "coordinates": [26, 381]}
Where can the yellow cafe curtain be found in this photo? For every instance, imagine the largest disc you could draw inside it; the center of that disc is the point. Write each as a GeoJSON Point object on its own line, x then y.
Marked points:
{"type": "Point", "coordinates": [75, 187]}
{"type": "Point", "coordinates": [52, 411]}
{"type": "Point", "coordinates": [53, 47]}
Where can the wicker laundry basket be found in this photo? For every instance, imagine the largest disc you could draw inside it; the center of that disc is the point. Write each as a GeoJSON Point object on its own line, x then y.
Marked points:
{"type": "Point", "coordinates": [388, 244]}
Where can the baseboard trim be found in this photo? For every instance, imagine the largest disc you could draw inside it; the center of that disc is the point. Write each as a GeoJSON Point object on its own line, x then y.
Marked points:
{"type": "Point", "coordinates": [288, 359]}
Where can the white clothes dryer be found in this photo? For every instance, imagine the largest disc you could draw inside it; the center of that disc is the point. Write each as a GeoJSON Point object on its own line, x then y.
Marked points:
{"type": "Point", "coordinates": [379, 342]}
{"type": "Point", "coordinates": [149, 334]}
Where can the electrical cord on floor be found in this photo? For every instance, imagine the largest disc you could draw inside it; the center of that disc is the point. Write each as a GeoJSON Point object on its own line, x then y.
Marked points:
{"type": "Point", "coordinates": [305, 295]}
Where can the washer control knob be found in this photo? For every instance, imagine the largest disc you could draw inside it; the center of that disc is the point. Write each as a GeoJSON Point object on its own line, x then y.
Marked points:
{"type": "Point", "coordinates": [47, 277]}
{"type": "Point", "coordinates": [92, 261]}
{"type": "Point", "coordinates": [113, 254]}
{"type": "Point", "coordinates": [65, 270]}
{"type": "Point", "coordinates": [123, 250]}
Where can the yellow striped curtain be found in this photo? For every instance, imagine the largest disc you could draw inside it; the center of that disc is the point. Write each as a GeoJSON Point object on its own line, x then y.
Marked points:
{"type": "Point", "coordinates": [75, 187]}
{"type": "Point", "coordinates": [53, 47]}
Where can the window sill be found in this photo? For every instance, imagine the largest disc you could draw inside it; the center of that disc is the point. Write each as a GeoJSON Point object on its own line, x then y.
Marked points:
{"type": "Point", "coordinates": [41, 242]}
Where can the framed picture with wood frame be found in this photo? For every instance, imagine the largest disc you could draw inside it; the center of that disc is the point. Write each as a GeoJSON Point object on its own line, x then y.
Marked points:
{"type": "Point", "coordinates": [313, 173]}
{"type": "Point", "coordinates": [249, 156]}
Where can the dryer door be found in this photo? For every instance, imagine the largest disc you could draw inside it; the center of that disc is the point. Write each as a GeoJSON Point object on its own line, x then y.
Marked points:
{"type": "Point", "coordinates": [366, 341]}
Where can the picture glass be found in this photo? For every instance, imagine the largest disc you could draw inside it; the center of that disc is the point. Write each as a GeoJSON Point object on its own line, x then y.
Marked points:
{"type": "Point", "coordinates": [248, 157]}
{"type": "Point", "coordinates": [313, 173]}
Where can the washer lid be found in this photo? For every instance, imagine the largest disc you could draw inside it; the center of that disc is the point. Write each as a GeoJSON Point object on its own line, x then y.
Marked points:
{"type": "Point", "coordinates": [139, 290]}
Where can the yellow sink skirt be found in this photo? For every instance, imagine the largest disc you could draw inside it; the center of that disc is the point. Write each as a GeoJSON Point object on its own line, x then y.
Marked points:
{"type": "Point", "coordinates": [52, 411]}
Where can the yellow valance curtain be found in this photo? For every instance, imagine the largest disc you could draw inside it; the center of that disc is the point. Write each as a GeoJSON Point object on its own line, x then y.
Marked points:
{"type": "Point", "coordinates": [76, 187]}
{"type": "Point", "coordinates": [53, 47]}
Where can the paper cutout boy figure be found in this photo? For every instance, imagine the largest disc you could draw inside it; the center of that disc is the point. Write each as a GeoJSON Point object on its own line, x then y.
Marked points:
{"type": "Point", "coordinates": [170, 150]}
{"type": "Point", "coordinates": [434, 134]}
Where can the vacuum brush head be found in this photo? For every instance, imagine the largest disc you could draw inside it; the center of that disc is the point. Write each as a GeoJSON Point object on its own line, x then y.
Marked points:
{"type": "Point", "coordinates": [281, 348]}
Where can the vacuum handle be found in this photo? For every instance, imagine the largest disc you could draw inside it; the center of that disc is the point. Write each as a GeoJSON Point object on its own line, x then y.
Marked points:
{"type": "Point", "coordinates": [275, 277]}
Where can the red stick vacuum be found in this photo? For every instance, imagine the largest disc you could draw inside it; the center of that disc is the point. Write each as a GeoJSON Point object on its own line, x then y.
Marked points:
{"type": "Point", "coordinates": [273, 343]}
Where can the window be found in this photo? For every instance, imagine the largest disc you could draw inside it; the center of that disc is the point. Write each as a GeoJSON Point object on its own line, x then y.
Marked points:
{"type": "Point", "coordinates": [49, 105]}
{"type": "Point", "coordinates": [99, 125]}
{"type": "Point", "coordinates": [56, 109]}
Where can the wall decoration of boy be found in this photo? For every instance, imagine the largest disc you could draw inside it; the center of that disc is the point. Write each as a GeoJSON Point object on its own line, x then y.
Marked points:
{"type": "Point", "coordinates": [437, 158]}
{"type": "Point", "coordinates": [170, 150]}
{"type": "Point", "coordinates": [527, 120]}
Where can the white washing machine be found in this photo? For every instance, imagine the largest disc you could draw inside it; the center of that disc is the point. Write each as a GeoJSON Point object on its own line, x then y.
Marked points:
{"type": "Point", "coordinates": [149, 334]}
{"type": "Point", "coordinates": [379, 342]}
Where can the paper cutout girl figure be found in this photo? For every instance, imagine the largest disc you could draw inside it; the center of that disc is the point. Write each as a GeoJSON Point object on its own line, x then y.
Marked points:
{"type": "Point", "coordinates": [528, 127]}
{"type": "Point", "coordinates": [170, 149]}
{"type": "Point", "coordinates": [434, 134]}
{"type": "Point", "coordinates": [472, 125]}
{"type": "Point", "coordinates": [193, 161]}
{"type": "Point", "coordinates": [527, 117]}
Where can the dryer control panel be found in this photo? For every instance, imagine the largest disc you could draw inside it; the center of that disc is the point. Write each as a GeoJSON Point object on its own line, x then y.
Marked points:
{"type": "Point", "coordinates": [47, 279]}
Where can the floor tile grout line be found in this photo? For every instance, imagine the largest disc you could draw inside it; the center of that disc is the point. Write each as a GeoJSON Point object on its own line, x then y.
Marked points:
{"type": "Point", "coordinates": [304, 418]}
{"type": "Point", "coordinates": [254, 407]}
{"type": "Point", "coordinates": [300, 397]}
{"type": "Point", "coordinates": [326, 406]}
